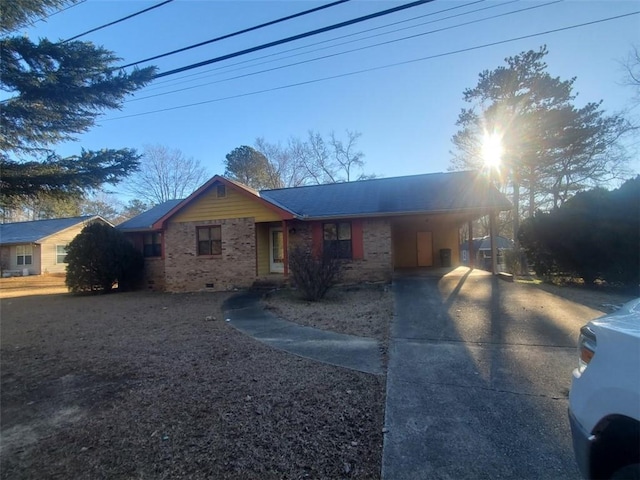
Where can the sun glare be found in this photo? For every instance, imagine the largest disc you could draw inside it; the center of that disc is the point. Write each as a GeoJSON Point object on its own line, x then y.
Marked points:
{"type": "Point", "coordinates": [492, 150]}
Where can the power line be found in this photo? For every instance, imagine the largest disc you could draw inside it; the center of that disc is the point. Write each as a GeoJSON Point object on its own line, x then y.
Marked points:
{"type": "Point", "coordinates": [176, 82]}
{"type": "Point", "coordinates": [357, 49]}
{"type": "Point", "coordinates": [293, 38]}
{"type": "Point", "coordinates": [118, 21]}
{"type": "Point", "coordinates": [56, 12]}
{"type": "Point", "coordinates": [381, 67]}
{"type": "Point", "coordinates": [250, 29]}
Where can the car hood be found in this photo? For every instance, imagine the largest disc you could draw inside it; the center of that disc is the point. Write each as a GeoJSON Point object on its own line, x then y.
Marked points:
{"type": "Point", "coordinates": [626, 319]}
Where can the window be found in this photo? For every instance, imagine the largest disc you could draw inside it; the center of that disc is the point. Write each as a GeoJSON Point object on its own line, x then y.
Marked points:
{"type": "Point", "coordinates": [209, 240]}
{"type": "Point", "coordinates": [152, 245]}
{"type": "Point", "coordinates": [221, 191]}
{"type": "Point", "coordinates": [337, 239]}
{"type": "Point", "coordinates": [61, 254]}
{"type": "Point", "coordinates": [24, 254]}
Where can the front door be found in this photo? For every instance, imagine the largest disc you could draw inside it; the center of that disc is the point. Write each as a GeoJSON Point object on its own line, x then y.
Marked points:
{"type": "Point", "coordinates": [425, 249]}
{"type": "Point", "coordinates": [276, 251]}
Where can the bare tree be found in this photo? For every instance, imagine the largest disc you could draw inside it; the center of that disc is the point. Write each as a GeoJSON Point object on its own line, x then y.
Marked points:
{"type": "Point", "coordinates": [314, 160]}
{"type": "Point", "coordinates": [632, 72]}
{"type": "Point", "coordinates": [347, 158]}
{"type": "Point", "coordinates": [284, 171]}
{"type": "Point", "coordinates": [105, 204]}
{"type": "Point", "coordinates": [165, 174]}
{"type": "Point", "coordinates": [315, 156]}
{"type": "Point", "coordinates": [329, 160]}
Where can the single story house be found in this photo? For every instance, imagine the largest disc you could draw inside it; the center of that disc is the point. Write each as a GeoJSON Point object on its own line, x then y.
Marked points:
{"type": "Point", "coordinates": [481, 248]}
{"type": "Point", "coordinates": [39, 247]}
{"type": "Point", "coordinates": [226, 235]}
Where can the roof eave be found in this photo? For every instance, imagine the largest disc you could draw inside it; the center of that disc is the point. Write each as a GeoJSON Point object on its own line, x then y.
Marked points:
{"type": "Point", "coordinates": [406, 213]}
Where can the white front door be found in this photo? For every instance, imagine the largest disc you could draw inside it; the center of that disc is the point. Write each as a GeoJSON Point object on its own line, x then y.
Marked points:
{"type": "Point", "coordinates": [276, 251]}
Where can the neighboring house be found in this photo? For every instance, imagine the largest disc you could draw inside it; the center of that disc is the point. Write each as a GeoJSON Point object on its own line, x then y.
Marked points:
{"type": "Point", "coordinates": [226, 235]}
{"type": "Point", "coordinates": [482, 252]}
{"type": "Point", "coordinates": [38, 247]}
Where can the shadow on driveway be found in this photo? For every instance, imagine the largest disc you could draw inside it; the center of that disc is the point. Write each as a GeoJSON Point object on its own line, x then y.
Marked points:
{"type": "Point", "coordinates": [478, 377]}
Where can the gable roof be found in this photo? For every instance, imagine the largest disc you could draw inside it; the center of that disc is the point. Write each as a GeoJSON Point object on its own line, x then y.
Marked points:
{"type": "Point", "coordinates": [38, 230]}
{"type": "Point", "coordinates": [236, 186]}
{"type": "Point", "coordinates": [145, 220]}
{"type": "Point", "coordinates": [427, 193]}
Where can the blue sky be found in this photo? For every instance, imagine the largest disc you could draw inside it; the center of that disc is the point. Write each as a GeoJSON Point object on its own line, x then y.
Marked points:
{"type": "Point", "coordinates": [406, 113]}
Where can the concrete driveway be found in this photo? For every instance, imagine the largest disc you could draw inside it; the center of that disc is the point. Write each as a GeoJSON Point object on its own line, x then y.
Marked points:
{"type": "Point", "coordinates": [478, 378]}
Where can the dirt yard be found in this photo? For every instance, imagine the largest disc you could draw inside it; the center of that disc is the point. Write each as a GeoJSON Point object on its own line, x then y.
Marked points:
{"type": "Point", "coordinates": [155, 386]}
{"type": "Point", "coordinates": [158, 386]}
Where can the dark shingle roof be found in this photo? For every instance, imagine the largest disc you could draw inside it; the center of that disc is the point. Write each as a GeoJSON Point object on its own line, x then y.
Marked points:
{"type": "Point", "coordinates": [145, 220]}
{"type": "Point", "coordinates": [436, 192]}
{"type": "Point", "coordinates": [34, 232]}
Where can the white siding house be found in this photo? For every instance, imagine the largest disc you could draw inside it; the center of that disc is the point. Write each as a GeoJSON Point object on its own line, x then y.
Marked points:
{"type": "Point", "coordinates": [38, 247]}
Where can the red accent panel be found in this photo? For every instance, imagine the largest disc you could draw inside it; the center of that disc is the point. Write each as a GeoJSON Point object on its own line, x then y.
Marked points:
{"type": "Point", "coordinates": [316, 238]}
{"type": "Point", "coordinates": [357, 243]}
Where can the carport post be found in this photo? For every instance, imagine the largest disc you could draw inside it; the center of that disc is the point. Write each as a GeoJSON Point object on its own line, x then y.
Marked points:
{"type": "Point", "coordinates": [471, 252]}
{"type": "Point", "coordinates": [494, 242]}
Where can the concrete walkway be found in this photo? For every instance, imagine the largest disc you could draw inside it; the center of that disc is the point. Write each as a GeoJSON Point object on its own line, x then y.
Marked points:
{"type": "Point", "coordinates": [244, 313]}
{"type": "Point", "coordinates": [477, 381]}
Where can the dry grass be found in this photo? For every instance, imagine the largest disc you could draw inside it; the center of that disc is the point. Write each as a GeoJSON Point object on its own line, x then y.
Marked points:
{"type": "Point", "coordinates": [363, 310]}
{"type": "Point", "coordinates": [37, 284]}
{"type": "Point", "coordinates": [142, 385]}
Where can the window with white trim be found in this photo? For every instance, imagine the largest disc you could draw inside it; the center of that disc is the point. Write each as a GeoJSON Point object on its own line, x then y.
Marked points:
{"type": "Point", "coordinates": [61, 254]}
{"type": "Point", "coordinates": [24, 255]}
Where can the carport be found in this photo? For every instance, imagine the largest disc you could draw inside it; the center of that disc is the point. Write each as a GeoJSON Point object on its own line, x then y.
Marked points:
{"type": "Point", "coordinates": [433, 239]}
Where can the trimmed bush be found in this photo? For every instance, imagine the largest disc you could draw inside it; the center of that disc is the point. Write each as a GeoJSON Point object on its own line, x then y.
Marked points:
{"type": "Point", "coordinates": [314, 275]}
{"type": "Point", "coordinates": [101, 257]}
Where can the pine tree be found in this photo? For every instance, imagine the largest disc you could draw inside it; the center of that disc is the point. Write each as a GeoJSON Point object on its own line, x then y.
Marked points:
{"type": "Point", "coordinates": [56, 91]}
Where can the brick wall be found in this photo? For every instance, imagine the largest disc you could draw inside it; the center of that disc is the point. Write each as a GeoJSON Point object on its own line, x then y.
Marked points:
{"type": "Point", "coordinates": [302, 235]}
{"type": "Point", "coordinates": [154, 275]}
{"type": "Point", "coordinates": [185, 271]}
{"type": "Point", "coordinates": [377, 264]}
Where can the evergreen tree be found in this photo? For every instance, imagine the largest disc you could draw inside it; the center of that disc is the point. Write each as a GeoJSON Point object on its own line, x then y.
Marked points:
{"type": "Point", "coordinates": [101, 256]}
{"type": "Point", "coordinates": [56, 91]}
{"type": "Point", "coordinates": [551, 148]}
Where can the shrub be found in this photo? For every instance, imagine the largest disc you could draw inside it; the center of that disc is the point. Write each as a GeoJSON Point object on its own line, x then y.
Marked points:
{"type": "Point", "coordinates": [594, 235]}
{"type": "Point", "coordinates": [314, 275]}
{"type": "Point", "coordinates": [99, 257]}
{"type": "Point", "coordinates": [512, 261]}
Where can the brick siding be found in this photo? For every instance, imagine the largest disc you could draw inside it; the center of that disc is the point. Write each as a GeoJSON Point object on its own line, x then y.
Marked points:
{"type": "Point", "coordinates": [154, 276]}
{"type": "Point", "coordinates": [186, 271]}
{"type": "Point", "coordinates": [376, 266]}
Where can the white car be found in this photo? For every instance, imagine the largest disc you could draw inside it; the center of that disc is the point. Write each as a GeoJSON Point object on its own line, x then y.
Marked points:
{"type": "Point", "coordinates": [604, 402]}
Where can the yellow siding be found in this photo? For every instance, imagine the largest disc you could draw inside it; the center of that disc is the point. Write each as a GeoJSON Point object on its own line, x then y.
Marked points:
{"type": "Point", "coordinates": [233, 205]}
{"type": "Point", "coordinates": [445, 235]}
